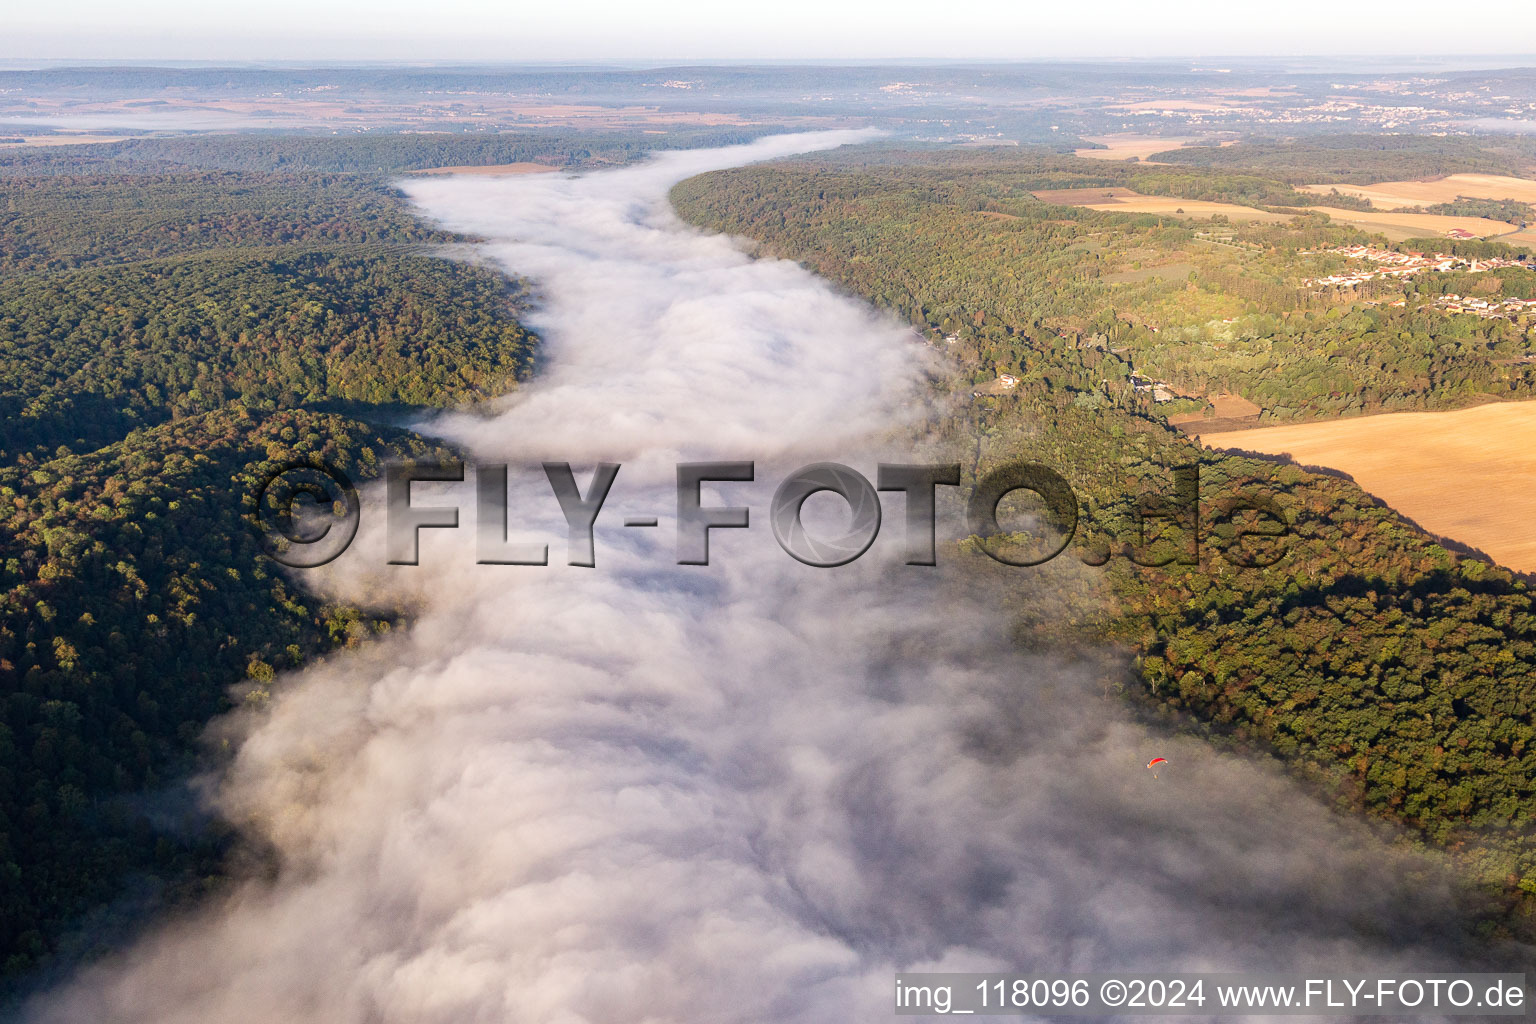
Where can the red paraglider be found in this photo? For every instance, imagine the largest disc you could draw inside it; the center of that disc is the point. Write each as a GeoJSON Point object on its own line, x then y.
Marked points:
{"type": "Point", "coordinates": [1152, 764]}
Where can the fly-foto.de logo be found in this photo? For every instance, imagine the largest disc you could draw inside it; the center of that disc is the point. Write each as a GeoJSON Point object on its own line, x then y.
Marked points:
{"type": "Point", "coordinates": [308, 514]}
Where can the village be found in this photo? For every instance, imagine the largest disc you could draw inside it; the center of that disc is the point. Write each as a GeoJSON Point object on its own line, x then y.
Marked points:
{"type": "Point", "coordinates": [1486, 308]}
{"type": "Point", "coordinates": [1379, 264]}
{"type": "Point", "coordinates": [1390, 263]}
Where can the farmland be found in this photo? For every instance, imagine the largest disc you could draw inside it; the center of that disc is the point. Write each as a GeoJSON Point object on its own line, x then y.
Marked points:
{"type": "Point", "coordinates": [1225, 407]}
{"type": "Point", "coordinates": [59, 139]}
{"type": "Point", "coordinates": [1130, 146]}
{"type": "Point", "coordinates": [1525, 238]}
{"type": "Point", "coordinates": [1466, 474]}
{"type": "Point", "coordinates": [1388, 195]}
{"type": "Point", "coordinates": [1124, 200]}
{"type": "Point", "coordinates": [1394, 225]}
{"type": "Point", "coordinates": [1401, 226]}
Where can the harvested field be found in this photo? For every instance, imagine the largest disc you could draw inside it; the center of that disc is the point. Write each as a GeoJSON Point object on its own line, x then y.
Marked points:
{"type": "Point", "coordinates": [1388, 195]}
{"type": "Point", "coordinates": [1399, 226]}
{"type": "Point", "coordinates": [57, 140]}
{"type": "Point", "coordinates": [1526, 238]}
{"type": "Point", "coordinates": [1227, 409]}
{"type": "Point", "coordinates": [1396, 226]}
{"type": "Point", "coordinates": [1469, 475]}
{"type": "Point", "coordinates": [1123, 147]}
{"type": "Point", "coordinates": [1123, 200]}
{"type": "Point", "coordinates": [1233, 407]}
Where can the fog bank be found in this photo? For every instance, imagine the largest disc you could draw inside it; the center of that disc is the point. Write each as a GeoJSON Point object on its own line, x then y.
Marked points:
{"type": "Point", "coordinates": [748, 791]}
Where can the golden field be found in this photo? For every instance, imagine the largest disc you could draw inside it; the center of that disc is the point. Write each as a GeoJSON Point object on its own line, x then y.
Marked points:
{"type": "Point", "coordinates": [1526, 238]}
{"type": "Point", "coordinates": [1396, 226]}
{"type": "Point", "coordinates": [1123, 147]}
{"type": "Point", "coordinates": [1391, 194]}
{"type": "Point", "coordinates": [1224, 406]}
{"type": "Point", "coordinates": [1123, 200]}
{"type": "Point", "coordinates": [1469, 475]}
{"type": "Point", "coordinates": [83, 138]}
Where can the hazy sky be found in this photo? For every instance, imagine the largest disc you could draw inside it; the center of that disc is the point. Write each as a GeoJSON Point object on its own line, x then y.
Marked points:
{"type": "Point", "coordinates": [672, 29]}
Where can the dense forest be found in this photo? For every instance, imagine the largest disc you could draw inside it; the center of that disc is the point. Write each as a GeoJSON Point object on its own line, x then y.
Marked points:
{"type": "Point", "coordinates": [55, 222]}
{"type": "Point", "coordinates": [169, 337]}
{"type": "Point", "coordinates": [999, 174]}
{"type": "Point", "coordinates": [365, 154]}
{"type": "Point", "coordinates": [134, 595]}
{"type": "Point", "coordinates": [91, 354]}
{"type": "Point", "coordinates": [1397, 676]}
{"type": "Point", "coordinates": [1511, 210]}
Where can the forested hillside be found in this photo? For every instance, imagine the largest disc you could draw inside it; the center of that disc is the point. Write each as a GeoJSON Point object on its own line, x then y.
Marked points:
{"type": "Point", "coordinates": [1397, 676]}
{"type": "Point", "coordinates": [370, 154]}
{"type": "Point", "coordinates": [169, 337]}
{"type": "Point", "coordinates": [91, 354]}
{"type": "Point", "coordinates": [1021, 283]}
{"type": "Point", "coordinates": [988, 174]}
{"type": "Point", "coordinates": [134, 595]}
{"type": "Point", "coordinates": [54, 222]}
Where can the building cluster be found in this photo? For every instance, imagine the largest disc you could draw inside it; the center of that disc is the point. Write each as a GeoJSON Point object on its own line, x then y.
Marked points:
{"type": "Point", "coordinates": [1390, 263]}
{"type": "Point", "coordinates": [1488, 308]}
{"type": "Point", "coordinates": [1411, 103]}
{"type": "Point", "coordinates": [1003, 383]}
{"type": "Point", "coordinates": [1152, 115]}
{"type": "Point", "coordinates": [1160, 390]}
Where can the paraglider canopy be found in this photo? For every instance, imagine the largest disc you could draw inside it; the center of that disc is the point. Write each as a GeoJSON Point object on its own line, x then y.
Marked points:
{"type": "Point", "coordinates": [1157, 761]}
